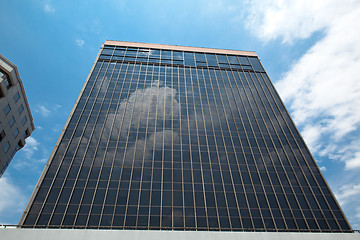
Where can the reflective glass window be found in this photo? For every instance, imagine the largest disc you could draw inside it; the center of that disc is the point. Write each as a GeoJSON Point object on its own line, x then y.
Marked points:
{"type": "Point", "coordinates": [7, 109]}
{"type": "Point", "coordinates": [16, 97]}
{"type": "Point", "coordinates": [11, 121]}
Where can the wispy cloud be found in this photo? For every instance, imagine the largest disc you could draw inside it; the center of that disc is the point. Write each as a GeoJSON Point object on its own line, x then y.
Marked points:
{"type": "Point", "coordinates": [348, 196]}
{"type": "Point", "coordinates": [48, 9]}
{"type": "Point", "coordinates": [323, 87]}
{"type": "Point", "coordinates": [346, 192]}
{"type": "Point", "coordinates": [57, 128]}
{"type": "Point", "coordinates": [80, 42]}
{"type": "Point", "coordinates": [11, 198]}
{"type": "Point", "coordinates": [291, 20]}
{"type": "Point", "coordinates": [46, 111]}
{"type": "Point", "coordinates": [33, 165]}
{"type": "Point", "coordinates": [33, 156]}
{"type": "Point", "coordinates": [348, 152]}
{"type": "Point", "coordinates": [357, 218]}
{"type": "Point", "coordinates": [31, 146]}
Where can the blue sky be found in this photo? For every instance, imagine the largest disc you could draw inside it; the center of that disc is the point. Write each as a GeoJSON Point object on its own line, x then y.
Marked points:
{"type": "Point", "coordinates": [310, 49]}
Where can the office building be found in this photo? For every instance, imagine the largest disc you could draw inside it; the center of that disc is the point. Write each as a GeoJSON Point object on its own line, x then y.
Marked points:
{"type": "Point", "coordinates": [181, 138]}
{"type": "Point", "coordinates": [16, 122]}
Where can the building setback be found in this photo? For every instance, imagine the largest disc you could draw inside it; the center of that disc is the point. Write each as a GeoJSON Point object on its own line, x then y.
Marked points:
{"type": "Point", "coordinates": [180, 138]}
{"type": "Point", "coordinates": [16, 122]}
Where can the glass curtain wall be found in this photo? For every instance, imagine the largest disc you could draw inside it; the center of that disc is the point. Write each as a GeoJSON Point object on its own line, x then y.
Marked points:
{"type": "Point", "coordinates": [165, 139]}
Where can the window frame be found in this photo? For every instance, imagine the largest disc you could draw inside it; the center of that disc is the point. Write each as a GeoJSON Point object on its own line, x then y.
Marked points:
{"type": "Point", "coordinates": [24, 120]}
{"type": "Point", "coordinates": [6, 147]}
{"type": "Point", "coordinates": [12, 121]}
{"type": "Point", "coordinates": [7, 109]}
{"type": "Point", "coordinates": [20, 109]}
{"type": "Point", "coordinates": [16, 97]}
{"type": "Point", "coordinates": [16, 132]}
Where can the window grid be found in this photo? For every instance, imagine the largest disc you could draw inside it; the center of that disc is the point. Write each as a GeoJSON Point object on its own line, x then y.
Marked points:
{"type": "Point", "coordinates": [194, 81]}
{"type": "Point", "coordinates": [164, 139]}
{"type": "Point", "coordinates": [132, 164]}
{"type": "Point", "coordinates": [282, 187]}
{"type": "Point", "coordinates": [69, 168]}
{"type": "Point", "coordinates": [114, 218]}
{"type": "Point", "coordinates": [336, 219]}
{"type": "Point", "coordinates": [277, 176]}
{"type": "Point", "coordinates": [293, 191]}
{"type": "Point", "coordinates": [217, 224]}
{"type": "Point", "coordinates": [257, 171]}
{"type": "Point", "coordinates": [223, 109]}
{"type": "Point", "coordinates": [117, 222]}
{"type": "Point", "coordinates": [145, 216]}
{"type": "Point", "coordinates": [293, 170]}
{"type": "Point", "coordinates": [102, 163]}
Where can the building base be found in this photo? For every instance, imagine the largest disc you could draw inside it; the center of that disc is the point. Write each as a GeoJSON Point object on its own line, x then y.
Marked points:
{"type": "Point", "coordinates": [78, 234]}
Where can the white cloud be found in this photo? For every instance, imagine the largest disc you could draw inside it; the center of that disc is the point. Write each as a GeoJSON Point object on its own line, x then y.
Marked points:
{"type": "Point", "coordinates": [312, 134]}
{"type": "Point", "coordinates": [45, 111]}
{"type": "Point", "coordinates": [353, 162]}
{"type": "Point", "coordinates": [348, 197]}
{"type": "Point", "coordinates": [323, 168]}
{"type": "Point", "coordinates": [323, 87]}
{"type": "Point", "coordinates": [291, 20]}
{"type": "Point", "coordinates": [11, 198]}
{"type": "Point", "coordinates": [80, 42]}
{"type": "Point", "coordinates": [31, 146]}
{"type": "Point", "coordinates": [57, 128]}
{"type": "Point", "coordinates": [357, 215]}
{"type": "Point", "coordinates": [349, 153]}
{"type": "Point", "coordinates": [348, 193]}
{"type": "Point", "coordinates": [49, 9]}
{"type": "Point", "coordinates": [32, 157]}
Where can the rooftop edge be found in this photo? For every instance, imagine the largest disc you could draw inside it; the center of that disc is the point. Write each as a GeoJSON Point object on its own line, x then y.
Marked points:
{"type": "Point", "coordinates": [180, 48]}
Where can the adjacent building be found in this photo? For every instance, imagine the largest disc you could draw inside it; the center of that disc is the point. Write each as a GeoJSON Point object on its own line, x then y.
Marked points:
{"type": "Point", "coordinates": [181, 138]}
{"type": "Point", "coordinates": [16, 122]}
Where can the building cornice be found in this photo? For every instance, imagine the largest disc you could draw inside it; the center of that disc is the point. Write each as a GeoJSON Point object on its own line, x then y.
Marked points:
{"type": "Point", "coordinates": [180, 48]}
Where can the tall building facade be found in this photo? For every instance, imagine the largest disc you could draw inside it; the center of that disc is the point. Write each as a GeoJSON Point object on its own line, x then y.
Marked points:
{"type": "Point", "coordinates": [181, 138]}
{"type": "Point", "coordinates": [16, 122]}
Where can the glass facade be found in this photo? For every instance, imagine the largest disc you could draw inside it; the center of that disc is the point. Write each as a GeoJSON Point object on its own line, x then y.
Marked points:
{"type": "Point", "coordinates": [184, 140]}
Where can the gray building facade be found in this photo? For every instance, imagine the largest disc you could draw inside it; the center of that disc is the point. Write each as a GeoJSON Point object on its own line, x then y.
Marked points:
{"type": "Point", "coordinates": [180, 138]}
{"type": "Point", "coordinates": [16, 122]}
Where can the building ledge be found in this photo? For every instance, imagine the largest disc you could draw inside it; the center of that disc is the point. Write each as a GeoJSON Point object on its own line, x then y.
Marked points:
{"type": "Point", "coordinates": [10, 233]}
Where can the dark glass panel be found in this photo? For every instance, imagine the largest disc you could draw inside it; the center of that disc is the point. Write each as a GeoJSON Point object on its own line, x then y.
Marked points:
{"type": "Point", "coordinates": [256, 64]}
{"type": "Point", "coordinates": [236, 152]}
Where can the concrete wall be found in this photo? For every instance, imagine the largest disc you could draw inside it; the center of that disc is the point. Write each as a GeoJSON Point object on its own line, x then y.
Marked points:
{"type": "Point", "coordinates": [78, 234]}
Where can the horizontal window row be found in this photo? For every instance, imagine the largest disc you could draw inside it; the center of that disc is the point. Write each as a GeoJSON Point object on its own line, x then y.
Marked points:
{"type": "Point", "coordinates": [177, 55]}
{"type": "Point", "coordinates": [180, 222]}
{"type": "Point", "coordinates": [189, 210]}
{"type": "Point", "coordinates": [79, 184]}
{"type": "Point", "coordinates": [177, 190]}
{"type": "Point", "coordinates": [221, 59]}
{"type": "Point", "coordinates": [147, 184]}
{"type": "Point", "coordinates": [201, 221]}
{"type": "Point", "coordinates": [195, 74]}
{"type": "Point", "coordinates": [124, 82]}
{"type": "Point", "coordinates": [190, 192]}
{"type": "Point", "coordinates": [194, 163]}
